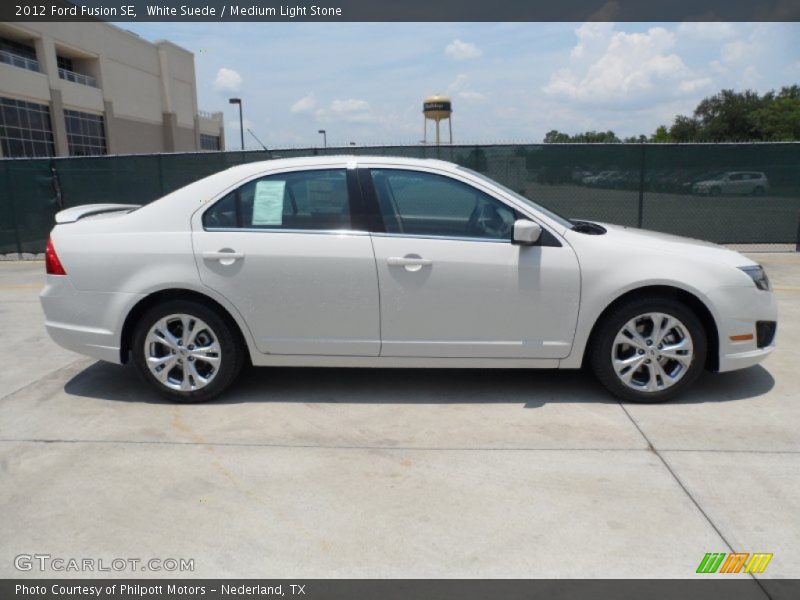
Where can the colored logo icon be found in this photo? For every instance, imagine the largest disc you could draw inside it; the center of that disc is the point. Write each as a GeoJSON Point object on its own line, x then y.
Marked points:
{"type": "Point", "coordinates": [736, 562]}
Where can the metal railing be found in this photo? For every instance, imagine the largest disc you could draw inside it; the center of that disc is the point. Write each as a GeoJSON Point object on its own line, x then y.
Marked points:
{"type": "Point", "coordinates": [77, 77]}
{"type": "Point", "coordinates": [19, 61]}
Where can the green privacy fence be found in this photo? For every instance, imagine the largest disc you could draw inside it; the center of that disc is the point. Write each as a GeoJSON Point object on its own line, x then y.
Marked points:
{"type": "Point", "coordinates": [726, 193]}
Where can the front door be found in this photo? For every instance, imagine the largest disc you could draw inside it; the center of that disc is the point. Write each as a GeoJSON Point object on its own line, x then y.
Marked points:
{"type": "Point", "coordinates": [453, 285]}
{"type": "Point", "coordinates": [281, 249]}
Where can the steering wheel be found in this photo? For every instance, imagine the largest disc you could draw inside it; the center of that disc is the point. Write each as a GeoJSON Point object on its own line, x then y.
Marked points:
{"type": "Point", "coordinates": [485, 221]}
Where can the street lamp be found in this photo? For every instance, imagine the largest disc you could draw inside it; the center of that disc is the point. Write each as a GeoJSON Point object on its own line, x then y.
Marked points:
{"type": "Point", "coordinates": [241, 121]}
{"type": "Point", "coordinates": [324, 138]}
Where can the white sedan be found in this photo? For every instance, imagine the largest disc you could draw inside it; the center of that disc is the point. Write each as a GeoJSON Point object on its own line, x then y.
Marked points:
{"type": "Point", "coordinates": [389, 262]}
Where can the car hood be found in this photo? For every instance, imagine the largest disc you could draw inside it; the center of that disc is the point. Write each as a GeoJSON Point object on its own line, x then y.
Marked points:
{"type": "Point", "coordinates": [654, 241]}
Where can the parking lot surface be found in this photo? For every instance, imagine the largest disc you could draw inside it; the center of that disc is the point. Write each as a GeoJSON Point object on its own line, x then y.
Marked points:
{"type": "Point", "coordinates": [394, 473]}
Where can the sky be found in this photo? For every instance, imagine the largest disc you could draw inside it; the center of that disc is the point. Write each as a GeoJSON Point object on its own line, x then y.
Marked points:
{"type": "Point", "coordinates": [509, 82]}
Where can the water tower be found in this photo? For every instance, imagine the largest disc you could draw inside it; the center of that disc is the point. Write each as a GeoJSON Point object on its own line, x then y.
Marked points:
{"type": "Point", "coordinates": [437, 108]}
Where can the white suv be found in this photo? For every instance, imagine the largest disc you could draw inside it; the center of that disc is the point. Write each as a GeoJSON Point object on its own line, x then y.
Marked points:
{"type": "Point", "coordinates": [740, 183]}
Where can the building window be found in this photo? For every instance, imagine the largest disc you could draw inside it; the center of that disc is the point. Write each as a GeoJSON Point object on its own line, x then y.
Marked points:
{"type": "Point", "coordinates": [86, 133]}
{"type": "Point", "coordinates": [66, 70]}
{"type": "Point", "coordinates": [25, 129]}
{"type": "Point", "coordinates": [209, 142]}
{"type": "Point", "coordinates": [18, 54]}
{"type": "Point", "coordinates": [64, 63]}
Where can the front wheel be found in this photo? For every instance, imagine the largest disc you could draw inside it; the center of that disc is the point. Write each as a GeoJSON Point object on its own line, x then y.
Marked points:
{"type": "Point", "coordinates": [648, 350]}
{"type": "Point", "coordinates": [186, 351]}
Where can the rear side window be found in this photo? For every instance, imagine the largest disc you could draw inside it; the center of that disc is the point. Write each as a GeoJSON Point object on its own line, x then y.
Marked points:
{"type": "Point", "coordinates": [298, 200]}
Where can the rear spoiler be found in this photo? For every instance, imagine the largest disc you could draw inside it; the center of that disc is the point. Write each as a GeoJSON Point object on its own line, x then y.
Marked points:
{"type": "Point", "coordinates": [70, 215]}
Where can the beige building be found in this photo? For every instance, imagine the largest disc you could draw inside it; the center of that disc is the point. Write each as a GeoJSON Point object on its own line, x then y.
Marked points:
{"type": "Point", "coordinates": [73, 89]}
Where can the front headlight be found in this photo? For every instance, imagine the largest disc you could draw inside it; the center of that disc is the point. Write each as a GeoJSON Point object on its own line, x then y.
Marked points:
{"type": "Point", "coordinates": [758, 275]}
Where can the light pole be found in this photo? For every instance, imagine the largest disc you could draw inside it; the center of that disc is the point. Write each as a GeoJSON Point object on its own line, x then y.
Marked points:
{"type": "Point", "coordinates": [241, 121]}
{"type": "Point", "coordinates": [324, 138]}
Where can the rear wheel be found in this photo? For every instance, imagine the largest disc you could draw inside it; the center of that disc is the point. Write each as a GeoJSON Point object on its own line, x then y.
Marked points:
{"type": "Point", "coordinates": [186, 351]}
{"type": "Point", "coordinates": [648, 350]}
{"type": "Point", "coordinates": [758, 191]}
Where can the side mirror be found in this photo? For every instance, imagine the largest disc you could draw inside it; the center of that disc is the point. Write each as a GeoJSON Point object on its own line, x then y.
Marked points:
{"type": "Point", "coordinates": [526, 233]}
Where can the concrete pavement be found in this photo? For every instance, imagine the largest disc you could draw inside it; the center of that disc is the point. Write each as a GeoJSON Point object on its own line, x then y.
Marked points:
{"type": "Point", "coordinates": [394, 473]}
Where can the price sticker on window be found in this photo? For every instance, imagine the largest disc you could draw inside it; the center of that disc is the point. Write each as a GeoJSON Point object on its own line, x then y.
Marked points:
{"type": "Point", "coordinates": [268, 203]}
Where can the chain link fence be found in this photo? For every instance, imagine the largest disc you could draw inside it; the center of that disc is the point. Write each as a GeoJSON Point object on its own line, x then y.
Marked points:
{"type": "Point", "coordinates": [725, 193]}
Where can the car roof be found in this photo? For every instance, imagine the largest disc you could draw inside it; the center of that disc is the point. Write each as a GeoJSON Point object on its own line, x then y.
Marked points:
{"type": "Point", "coordinates": [336, 159]}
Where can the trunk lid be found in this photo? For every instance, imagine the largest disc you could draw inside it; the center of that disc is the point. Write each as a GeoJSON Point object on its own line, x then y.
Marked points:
{"type": "Point", "coordinates": [70, 215]}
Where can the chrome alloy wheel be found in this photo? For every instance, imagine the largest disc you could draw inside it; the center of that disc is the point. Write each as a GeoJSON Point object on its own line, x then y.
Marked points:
{"type": "Point", "coordinates": [652, 352]}
{"type": "Point", "coordinates": [182, 352]}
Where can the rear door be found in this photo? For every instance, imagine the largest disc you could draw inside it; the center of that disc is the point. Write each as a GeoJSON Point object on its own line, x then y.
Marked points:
{"type": "Point", "coordinates": [284, 249]}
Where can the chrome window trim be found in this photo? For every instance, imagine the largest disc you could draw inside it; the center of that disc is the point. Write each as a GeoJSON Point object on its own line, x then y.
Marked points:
{"type": "Point", "coordinates": [276, 230]}
{"type": "Point", "coordinates": [354, 232]}
{"type": "Point", "coordinates": [442, 237]}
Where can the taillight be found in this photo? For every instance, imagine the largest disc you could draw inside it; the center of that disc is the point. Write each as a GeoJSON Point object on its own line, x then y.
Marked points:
{"type": "Point", "coordinates": [52, 265]}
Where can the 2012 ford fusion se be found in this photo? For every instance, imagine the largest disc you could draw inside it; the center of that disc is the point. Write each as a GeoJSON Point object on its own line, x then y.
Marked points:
{"type": "Point", "coordinates": [388, 262]}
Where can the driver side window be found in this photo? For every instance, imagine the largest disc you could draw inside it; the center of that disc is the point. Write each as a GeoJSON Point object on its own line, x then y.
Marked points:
{"type": "Point", "coordinates": [418, 203]}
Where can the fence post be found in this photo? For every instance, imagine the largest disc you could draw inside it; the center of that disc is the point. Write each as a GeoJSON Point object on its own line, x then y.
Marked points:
{"type": "Point", "coordinates": [160, 176]}
{"type": "Point", "coordinates": [12, 208]}
{"type": "Point", "coordinates": [640, 216]}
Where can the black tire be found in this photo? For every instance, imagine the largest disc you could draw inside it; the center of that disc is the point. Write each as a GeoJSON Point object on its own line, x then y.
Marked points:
{"type": "Point", "coordinates": [715, 191]}
{"type": "Point", "coordinates": [232, 351]}
{"type": "Point", "coordinates": [759, 191]}
{"type": "Point", "coordinates": [601, 347]}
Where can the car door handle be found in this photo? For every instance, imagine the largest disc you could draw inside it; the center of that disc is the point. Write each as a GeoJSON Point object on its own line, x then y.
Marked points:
{"type": "Point", "coordinates": [411, 263]}
{"type": "Point", "coordinates": [223, 255]}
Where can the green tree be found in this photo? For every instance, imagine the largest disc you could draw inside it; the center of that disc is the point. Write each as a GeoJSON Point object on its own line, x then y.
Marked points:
{"type": "Point", "coordinates": [556, 137]}
{"type": "Point", "coordinates": [737, 116]}
{"type": "Point", "coordinates": [728, 116]}
{"type": "Point", "coordinates": [684, 129]}
{"type": "Point", "coordinates": [587, 137]}
{"type": "Point", "coordinates": [779, 118]}
{"type": "Point", "coordinates": [661, 135]}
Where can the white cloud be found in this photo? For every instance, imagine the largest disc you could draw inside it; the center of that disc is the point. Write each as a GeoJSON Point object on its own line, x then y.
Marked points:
{"type": "Point", "coordinates": [304, 104]}
{"type": "Point", "coordinates": [692, 85]}
{"type": "Point", "coordinates": [458, 83]}
{"type": "Point", "coordinates": [460, 88]}
{"type": "Point", "coordinates": [707, 30]}
{"type": "Point", "coordinates": [614, 66]}
{"type": "Point", "coordinates": [348, 106]}
{"type": "Point", "coordinates": [462, 50]}
{"type": "Point", "coordinates": [351, 110]}
{"type": "Point", "coordinates": [736, 51]}
{"type": "Point", "coordinates": [589, 36]}
{"type": "Point", "coordinates": [227, 80]}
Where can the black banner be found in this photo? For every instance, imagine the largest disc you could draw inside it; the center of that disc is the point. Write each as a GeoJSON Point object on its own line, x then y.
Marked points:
{"type": "Point", "coordinates": [405, 10]}
{"type": "Point", "coordinates": [714, 588]}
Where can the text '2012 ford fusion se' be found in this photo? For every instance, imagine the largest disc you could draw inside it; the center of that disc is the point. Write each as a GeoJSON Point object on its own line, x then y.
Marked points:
{"type": "Point", "coordinates": [388, 262]}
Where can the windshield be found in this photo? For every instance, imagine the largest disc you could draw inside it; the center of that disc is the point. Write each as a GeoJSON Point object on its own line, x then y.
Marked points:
{"type": "Point", "coordinates": [549, 213]}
